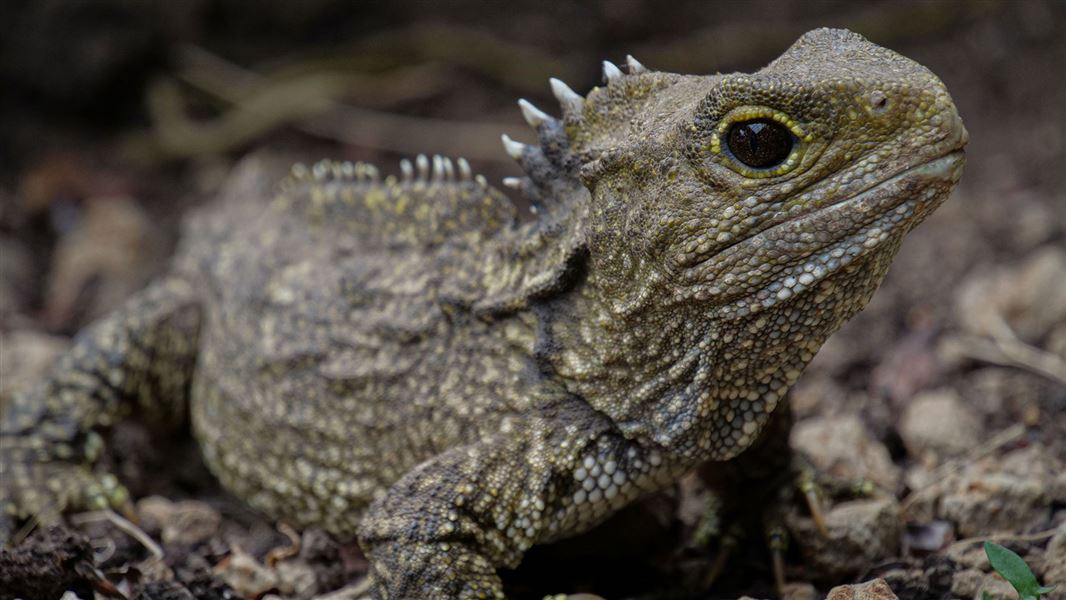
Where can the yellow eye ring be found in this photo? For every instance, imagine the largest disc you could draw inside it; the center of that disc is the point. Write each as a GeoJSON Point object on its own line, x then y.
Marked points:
{"type": "Point", "coordinates": [751, 121]}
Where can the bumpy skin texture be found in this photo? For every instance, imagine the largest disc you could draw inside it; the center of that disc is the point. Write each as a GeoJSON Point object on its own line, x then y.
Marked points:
{"type": "Point", "coordinates": [408, 361]}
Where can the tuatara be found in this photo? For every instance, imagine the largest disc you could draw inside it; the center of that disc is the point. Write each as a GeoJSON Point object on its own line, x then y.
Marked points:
{"type": "Point", "coordinates": [407, 360]}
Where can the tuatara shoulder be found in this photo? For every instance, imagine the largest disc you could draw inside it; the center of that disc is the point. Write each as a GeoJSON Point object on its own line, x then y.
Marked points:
{"type": "Point", "coordinates": [405, 359]}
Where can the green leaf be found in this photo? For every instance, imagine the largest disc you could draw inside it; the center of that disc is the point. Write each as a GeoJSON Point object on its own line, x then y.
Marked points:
{"type": "Point", "coordinates": [1015, 571]}
{"type": "Point", "coordinates": [985, 596]}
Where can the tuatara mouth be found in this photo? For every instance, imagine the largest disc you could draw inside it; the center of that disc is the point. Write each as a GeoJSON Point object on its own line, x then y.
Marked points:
{"type": "Point", "coordinates": [922, 185]}
{"type": "Point", "coordinates": [830, 238]}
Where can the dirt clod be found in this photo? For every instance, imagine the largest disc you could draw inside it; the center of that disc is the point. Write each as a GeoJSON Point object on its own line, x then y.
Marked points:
{"type": "Point", "coordinates": [861, 532]}
{"type": "Point", "coordinates": [939, 422]}
{"type": "Point", "coordinates": [877, 589]}
{"type": "Point", "coordinates": [843, 447]}
{"type": "Point", "coordinates": [187, 522]}
{"type": "Point", "coordinates": [48, 563]}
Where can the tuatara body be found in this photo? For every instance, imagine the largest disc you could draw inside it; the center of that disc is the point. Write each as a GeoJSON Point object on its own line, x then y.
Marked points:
{"type": "Point", "coordinates": [407, 360]}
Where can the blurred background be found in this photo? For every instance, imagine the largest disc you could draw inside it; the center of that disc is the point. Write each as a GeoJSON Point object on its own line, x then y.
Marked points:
{"type": "Point", "coordinates": [119, 116]}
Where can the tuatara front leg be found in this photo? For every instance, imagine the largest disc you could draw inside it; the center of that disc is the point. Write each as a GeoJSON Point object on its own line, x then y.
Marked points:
{"type": "Point", "coordinates": [443, 529]}
{"type": "Point", "coordinates": [750, 492]}
{"type": "Point", "coordinates": [757, 491]}
{"type": "Point", "coordinates": [138, 360]}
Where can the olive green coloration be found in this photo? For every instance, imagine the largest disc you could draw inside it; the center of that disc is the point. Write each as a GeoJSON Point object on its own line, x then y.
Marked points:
{"type": "Point", "coordinates": [408, 361]}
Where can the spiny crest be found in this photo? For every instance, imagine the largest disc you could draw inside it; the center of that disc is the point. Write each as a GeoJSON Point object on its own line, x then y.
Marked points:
{"type": "Point", "coordinates": [570, 101]}
{"type": "Point", "coordinates": [550, 251]}
{"type": "Point", "coordinates": [438, 170]}
{"type": "Point", "coordinates": [551, 166]}
{"type": "Point", "coordinates": [430, 202]}
{"type": "Point", "coordinates": [422, 172]}
{"type": "Point", "coordinates": [331, 170]}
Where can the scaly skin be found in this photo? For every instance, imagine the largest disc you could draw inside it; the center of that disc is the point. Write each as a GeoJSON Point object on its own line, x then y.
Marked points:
{"type": "Point", "coordinates": [407, 361]}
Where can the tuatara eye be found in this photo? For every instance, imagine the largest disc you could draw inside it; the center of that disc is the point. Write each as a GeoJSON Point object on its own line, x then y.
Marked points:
{"type": "Point", "coordinates": [760, 143]}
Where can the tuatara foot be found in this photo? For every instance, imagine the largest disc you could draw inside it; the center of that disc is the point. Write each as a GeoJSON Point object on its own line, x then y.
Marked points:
{"type": "Point", "coordinates": [797, 489]}
{"type": "Point", "coordinates": [39, 486]}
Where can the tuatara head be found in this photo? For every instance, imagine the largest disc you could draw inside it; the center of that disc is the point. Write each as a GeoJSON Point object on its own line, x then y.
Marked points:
{"type": "Point", "coordinates": [744, 189]}
{"type": "Point", "coordinates": [735, 216]}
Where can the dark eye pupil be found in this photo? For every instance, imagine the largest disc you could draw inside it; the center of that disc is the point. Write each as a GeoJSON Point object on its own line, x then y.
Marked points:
{"type": "Point", "coordinates": [760, 144]}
